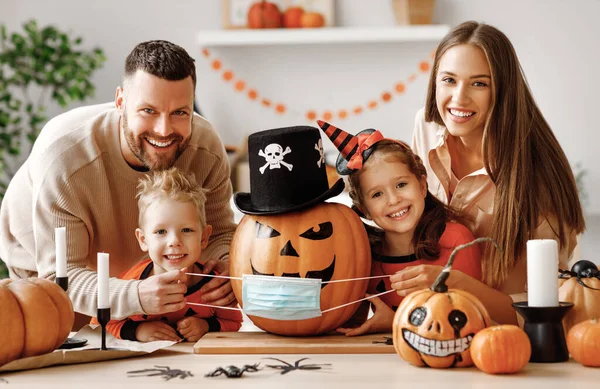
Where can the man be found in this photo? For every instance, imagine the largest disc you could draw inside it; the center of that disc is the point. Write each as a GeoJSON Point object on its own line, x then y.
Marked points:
{"type": "Point", "coordinates": [83, 172]}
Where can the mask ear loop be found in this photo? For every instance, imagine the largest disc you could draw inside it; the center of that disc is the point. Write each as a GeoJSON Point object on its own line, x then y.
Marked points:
{"type": "Point", "coordinates": [358, 301]}
{"type": "Point", "coordinates": [362, 299]}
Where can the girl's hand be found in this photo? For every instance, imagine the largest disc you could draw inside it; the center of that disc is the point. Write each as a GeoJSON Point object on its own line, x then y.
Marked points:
{"type": "Point", "coordinates": [150, 331]}
{"type": "Point", "coordinates": [381, 321]}
{"type": "Point", "coordinates": [192, 328]}
{"type": "Point", "coordinates": [415, 278]}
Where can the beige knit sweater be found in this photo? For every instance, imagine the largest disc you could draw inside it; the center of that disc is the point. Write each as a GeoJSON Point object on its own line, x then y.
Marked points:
{"type": "Point", "coordinates": [77, 177]}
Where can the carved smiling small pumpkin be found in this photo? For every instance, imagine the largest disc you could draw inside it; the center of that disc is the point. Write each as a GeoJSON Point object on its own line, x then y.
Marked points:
{"type": "Point", "coordinates": [327, 242]}
{"type": "Point", "coordinates": [434, 327]}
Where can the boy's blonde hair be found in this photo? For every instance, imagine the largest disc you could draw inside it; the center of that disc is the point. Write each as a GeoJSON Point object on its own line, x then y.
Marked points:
{"type": "Point", "coordinates": [170, 184]}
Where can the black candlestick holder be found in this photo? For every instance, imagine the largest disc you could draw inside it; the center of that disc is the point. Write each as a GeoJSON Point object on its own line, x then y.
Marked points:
{"type": "Point", "coordinates": [543, 326]}
{"type": "Point", "coordinates": [103, 319]}
{"type": "Point", "coordinates": [69, 343]}
{"type": "Point", "coordinates": [63, 282]}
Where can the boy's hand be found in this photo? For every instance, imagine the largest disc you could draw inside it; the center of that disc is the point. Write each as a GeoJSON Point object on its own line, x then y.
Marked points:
{"type": "Point", "coordinates": [192, 328]}
{"type": "Point", "coordinates": [381, 321]}
{"type": "Point", "coordinates": [163, 293]}
{"type": "Point", "coordinates": [149, 331]}
{"type": "Point", "coordinates": [415, 278]}
{"type": "Point", "coordinates": [218, 291]}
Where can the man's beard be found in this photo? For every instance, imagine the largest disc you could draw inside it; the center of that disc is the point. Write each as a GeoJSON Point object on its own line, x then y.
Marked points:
{"type": "Point", "coordinates": [153, 162]}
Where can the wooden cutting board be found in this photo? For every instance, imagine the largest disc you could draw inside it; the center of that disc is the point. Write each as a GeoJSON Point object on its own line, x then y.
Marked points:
{"type": "Point", "coordinates": [266, 343]}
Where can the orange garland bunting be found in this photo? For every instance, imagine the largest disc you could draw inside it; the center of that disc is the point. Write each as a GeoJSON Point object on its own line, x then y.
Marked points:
{"type": "Point", "coordinates": [311, 115]}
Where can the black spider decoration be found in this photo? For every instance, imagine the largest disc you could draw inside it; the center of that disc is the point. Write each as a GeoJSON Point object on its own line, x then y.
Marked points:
{"type": "Point", "coordinates": [233, 371]}
{"type": "Point", "coordinates": [581, 269]}
{"type": "Point", "coordinates": [287, 367]}
{"type": "Point", "coordinates": [164, 371]}
{"type": "Point", "coordinates": [386, 340]}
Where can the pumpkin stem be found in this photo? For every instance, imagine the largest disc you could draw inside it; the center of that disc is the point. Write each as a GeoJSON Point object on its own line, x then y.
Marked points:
{"type": "Point", "coordinates": [439, 285]}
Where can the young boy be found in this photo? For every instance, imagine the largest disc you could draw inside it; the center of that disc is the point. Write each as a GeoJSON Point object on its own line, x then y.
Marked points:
{"type": "Point", "coordinates": [173, 231]}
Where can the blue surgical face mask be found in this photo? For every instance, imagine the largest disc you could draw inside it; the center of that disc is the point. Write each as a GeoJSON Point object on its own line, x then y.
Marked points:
{"type": "Point", "coordinates": [281, 298]}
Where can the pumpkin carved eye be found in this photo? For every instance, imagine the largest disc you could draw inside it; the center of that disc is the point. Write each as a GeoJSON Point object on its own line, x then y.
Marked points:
{"type": "Point", "coordinates": [264, 231]}
{"type": "Point", "coordinates": [457, 319]}
{"type": "Point", "coordinates": [418, 316]}
{"type": "Point", "coordinates": [324, 232]}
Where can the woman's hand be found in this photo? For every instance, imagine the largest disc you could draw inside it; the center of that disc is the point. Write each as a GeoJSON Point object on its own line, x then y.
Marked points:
{"type": "Point", "coordinates": [381, 321]}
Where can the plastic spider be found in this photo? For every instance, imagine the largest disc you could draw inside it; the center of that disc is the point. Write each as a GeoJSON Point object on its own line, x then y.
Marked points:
{"type": "Point", "coordinates": [233, 371]}
{"type": "Point", "coordinates": [386, 340]}
{"type": "Point", "coordinates": [287, 367]}
{"type": "Point", "coordinates": [164, 371]}
{"type": "Point", "coordinates": [581, 269]}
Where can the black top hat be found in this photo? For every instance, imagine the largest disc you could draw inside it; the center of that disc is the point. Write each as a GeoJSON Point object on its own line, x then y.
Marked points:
{"type": "Point", "coordinates": [287, 172]}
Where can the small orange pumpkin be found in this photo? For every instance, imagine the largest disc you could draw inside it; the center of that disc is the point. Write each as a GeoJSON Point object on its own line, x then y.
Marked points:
{"type": "Point", "coordinates": [583, 342]}
{"type": "Point", "coordinates": [264, 14]}
{"type": "Point", "coordinates": [583, 292]}
{"type": "Point", "coordinates": [327, 241]}
{"type": "Point", "coordinates": [434, 327]}
{"type": "Point", "coordinates": [37, 316]}
{"type": "Point", "coordinates": [501, 349]}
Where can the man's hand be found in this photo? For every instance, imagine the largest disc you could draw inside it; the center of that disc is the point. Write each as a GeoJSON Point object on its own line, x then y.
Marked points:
{"type": "Point", "coordinates": [381, 321]}
{"type": "Point", "coordinates": [163, 293]}
{"type": "Point", "coordinates": [149, 331]}
{"type": "Point", "coordinates": [192, 328]}
{"type": "Point", "coordinates": [218, 291]}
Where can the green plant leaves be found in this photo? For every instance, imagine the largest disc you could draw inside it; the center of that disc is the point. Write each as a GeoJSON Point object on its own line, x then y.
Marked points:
{"type": "Point", "coordinates": [36, 65]}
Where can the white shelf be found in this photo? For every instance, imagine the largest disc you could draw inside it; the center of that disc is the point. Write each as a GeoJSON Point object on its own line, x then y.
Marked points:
{"type": "Point", "coordinates": [326, 35]}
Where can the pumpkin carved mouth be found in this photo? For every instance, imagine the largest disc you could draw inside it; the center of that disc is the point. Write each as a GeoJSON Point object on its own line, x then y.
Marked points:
{"type": "Point", "coordinates": [436, 348]}
{"type": "Point", "coordinates": [324, 275]}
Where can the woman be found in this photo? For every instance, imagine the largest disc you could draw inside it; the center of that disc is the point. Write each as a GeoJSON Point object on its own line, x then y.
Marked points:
{"type": "Point", "coordinates": [491, 155]}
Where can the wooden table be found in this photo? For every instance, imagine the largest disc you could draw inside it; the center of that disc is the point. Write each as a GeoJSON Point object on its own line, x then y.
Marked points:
{"type": "Point", "coordinates": [348, 371]}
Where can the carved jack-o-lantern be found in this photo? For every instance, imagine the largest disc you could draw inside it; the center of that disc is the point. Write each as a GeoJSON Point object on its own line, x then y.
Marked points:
{"type": "Point", "coordinates": [434, 327]}
{"type": "Point", "coordinates": [326, 242]}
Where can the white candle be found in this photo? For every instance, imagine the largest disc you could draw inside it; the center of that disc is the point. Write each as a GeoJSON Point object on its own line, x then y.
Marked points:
{"type": "Point", "coordinates": [103, 281]}
{"type": "Point", "coordinates": [60, 238]}
{"type": "Point", "coordinates": [542, 273]}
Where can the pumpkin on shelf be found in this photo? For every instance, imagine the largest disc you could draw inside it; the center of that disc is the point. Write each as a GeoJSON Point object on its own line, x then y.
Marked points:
{"type": "Point", "coordinates": [501, 349]}
{"type": "Point", "coordinates": [583, 342]}
{"type": "Point", "coordinates": [37, 316]}
{"type": "Point", "coordinates": [580, 286]}
{"type": "Point", "coordinates": [264, 14]}
{"type": "Point", "coordinates": [328, 239]}
{"type": "Point", "coordinates": [435, 327]}
{"type": "Point", "coordinates": [292, 17]}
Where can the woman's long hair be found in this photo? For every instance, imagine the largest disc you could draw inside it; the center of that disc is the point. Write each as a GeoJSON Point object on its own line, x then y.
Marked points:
{"type": "Point", "coordinates": [522, 156]}
{"type": "Point", "coordinates": [436, 214]}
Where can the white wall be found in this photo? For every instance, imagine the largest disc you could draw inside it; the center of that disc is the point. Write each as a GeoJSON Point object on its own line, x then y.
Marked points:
{"type": "Point", "coordinates": [556, 41]}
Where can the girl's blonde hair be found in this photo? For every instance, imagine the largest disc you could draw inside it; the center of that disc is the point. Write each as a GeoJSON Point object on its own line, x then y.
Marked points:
{"type": "Point", "coordinates": [170, 184]}
{"type": "Point", "coordinates": [432, 223]}
{"type": "Point", "coordinates": [522, 156]}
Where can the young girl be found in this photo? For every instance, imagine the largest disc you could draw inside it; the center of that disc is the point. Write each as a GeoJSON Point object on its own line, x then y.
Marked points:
{"type": "Point", "coordinates": [491, 155]}
{"type": "Point", "coordinates": [388, 185]}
